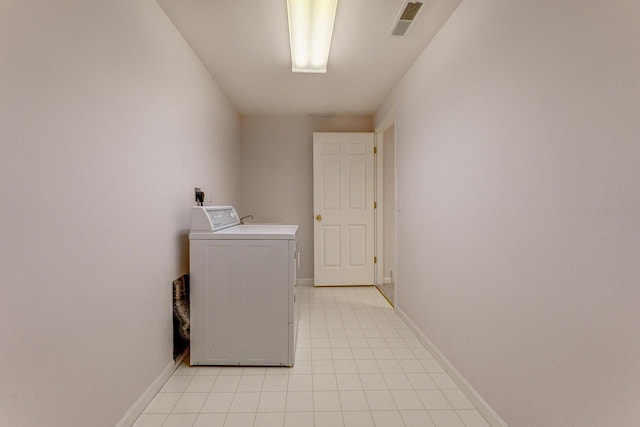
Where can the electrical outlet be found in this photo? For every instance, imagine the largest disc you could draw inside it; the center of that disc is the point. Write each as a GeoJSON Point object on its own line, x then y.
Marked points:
{"type": "Point", "coordinates": [199, 196]}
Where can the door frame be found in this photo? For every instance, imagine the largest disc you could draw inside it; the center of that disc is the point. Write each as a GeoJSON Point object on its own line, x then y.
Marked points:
{"type": "Point", "coordinates": [380, 128]}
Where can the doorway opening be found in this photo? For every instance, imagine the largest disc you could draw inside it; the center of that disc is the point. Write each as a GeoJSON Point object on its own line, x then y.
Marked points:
{"type": "Point", "coordinates": [386, 214]}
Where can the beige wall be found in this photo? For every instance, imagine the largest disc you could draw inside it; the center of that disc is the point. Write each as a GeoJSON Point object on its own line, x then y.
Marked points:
{"type": "Point", "coordinates": [519, 235]}
{"type": "Point", "coordinates": [277, 172]}
{"type": "Point", "coordinates": [107, 122]}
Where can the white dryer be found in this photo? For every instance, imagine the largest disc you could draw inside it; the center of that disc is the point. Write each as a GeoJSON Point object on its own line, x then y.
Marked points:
{"type": "Point", "coordinates": [242, 287]}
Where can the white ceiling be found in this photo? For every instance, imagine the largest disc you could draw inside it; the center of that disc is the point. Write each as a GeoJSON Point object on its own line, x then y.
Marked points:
{"type": "Point", "coordinates": [245, 46]}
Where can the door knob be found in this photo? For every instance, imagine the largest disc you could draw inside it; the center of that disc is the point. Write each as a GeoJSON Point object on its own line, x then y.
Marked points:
{"type": "Point", "coordinates": [318, 217]}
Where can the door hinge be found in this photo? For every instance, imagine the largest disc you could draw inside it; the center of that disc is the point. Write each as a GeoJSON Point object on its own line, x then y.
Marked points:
{"type": "Point", "coordinates": [375, 205]}
{"type": "Point", "coordinates": [375, 150]}
{"type": "Point", "coordinates": [375, 259]}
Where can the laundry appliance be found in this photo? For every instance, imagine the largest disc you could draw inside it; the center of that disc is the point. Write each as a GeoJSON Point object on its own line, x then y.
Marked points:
{"type": "Point", "coordinates": [242, 290]}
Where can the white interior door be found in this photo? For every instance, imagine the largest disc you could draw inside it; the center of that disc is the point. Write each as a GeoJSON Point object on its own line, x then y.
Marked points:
{"type": "Point", "coordinates": [343, 201]}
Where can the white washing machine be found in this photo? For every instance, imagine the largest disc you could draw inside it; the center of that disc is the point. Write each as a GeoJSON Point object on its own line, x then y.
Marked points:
{"type": "Point", "coordinates": [242, 286]}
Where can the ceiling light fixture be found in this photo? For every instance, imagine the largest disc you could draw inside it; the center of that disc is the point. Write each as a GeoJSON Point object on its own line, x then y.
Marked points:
{"type": "Point", "coordinates": [310, 30]}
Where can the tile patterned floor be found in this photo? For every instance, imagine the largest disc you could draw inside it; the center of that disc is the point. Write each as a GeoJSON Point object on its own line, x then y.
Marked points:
{"type": "Point", "coordinates": [357, 365]}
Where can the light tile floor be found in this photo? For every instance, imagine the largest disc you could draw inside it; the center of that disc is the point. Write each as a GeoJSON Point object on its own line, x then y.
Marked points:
{"type": "Point", "coordinates": [357, 365]}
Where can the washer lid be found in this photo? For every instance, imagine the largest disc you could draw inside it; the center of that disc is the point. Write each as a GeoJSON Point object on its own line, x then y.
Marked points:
{"type": "Point", "coordinates": [250, 232]}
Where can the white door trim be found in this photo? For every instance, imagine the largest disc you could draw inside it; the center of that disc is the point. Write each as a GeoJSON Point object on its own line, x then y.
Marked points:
{"type": "Point", "coordinates": [381, 127]}
{"type": "Point", "coordinates": [378, 172]}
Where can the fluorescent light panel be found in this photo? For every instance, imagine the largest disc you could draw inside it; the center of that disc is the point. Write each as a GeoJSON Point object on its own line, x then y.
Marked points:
{"type": "Point", "coordinates": [310, 30]}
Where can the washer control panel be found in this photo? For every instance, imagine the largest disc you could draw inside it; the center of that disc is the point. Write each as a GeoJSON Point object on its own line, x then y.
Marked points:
{"type": "Point", "coordinates": [213, 218]}
{"type": "Point", "coordinates": [223, 218]}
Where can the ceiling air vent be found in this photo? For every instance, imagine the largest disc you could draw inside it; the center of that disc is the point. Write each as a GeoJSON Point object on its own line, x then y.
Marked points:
{"type": "Point", "coordinates": [405, 20]}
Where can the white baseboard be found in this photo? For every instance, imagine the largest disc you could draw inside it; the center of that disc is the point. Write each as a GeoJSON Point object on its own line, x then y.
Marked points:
{"type": "Point", "coordinates": [306, 281]}
{"type": "Point", "coordinates": [136, 409]}
{"type": "Point", "coordinates": [481, 405]}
